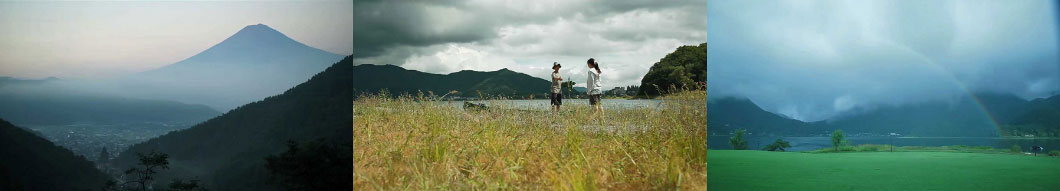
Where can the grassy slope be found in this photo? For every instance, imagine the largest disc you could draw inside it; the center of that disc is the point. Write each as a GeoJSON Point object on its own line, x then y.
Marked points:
{"type": "Point", "coordinates": [759, 170]}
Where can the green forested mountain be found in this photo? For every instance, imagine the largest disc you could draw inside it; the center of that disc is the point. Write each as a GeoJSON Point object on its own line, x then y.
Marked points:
{"type": "Point", "coordinates": [965, 118]}
{"type": "Point", "coordinates": [935, 119]}
{"type": "Point", "coordinates": [29, 162]}
{"type": "Point", "coordinates": [44, 102]}
{"type": "Point", "coordinates": [228, 152]}
{"type": "Point", "coordinates": [729, 114]}
{"type": "Point", "coordinates": [1041, 118]}
{"type": "Point", "coordinates": [683, 67]}
{"type": "Point", "coordinates": [373, 78]}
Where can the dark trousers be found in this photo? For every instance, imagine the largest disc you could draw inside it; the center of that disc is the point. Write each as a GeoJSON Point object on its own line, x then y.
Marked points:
{"type": "Point", "coordinates": [557, 99]}
{"type": "Point", "coordinates": [594, 99]}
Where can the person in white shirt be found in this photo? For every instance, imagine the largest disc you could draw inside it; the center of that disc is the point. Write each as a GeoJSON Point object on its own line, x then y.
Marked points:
{"type": "Point", "coordinates": [592, 85]}
{"type": "Point", "coordinates": [556, 96]}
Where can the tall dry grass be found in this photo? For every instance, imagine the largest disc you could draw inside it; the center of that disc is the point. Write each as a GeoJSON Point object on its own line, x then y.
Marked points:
{"type": "Point", "coordinates": [417, 143]}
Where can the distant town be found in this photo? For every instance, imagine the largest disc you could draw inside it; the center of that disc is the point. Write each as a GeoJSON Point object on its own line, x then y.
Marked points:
{"type": "Point", "coordinates": [89, 140]}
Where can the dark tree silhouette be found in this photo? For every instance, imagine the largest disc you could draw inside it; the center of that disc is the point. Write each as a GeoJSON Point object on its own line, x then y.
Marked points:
{"type": "Point", "coordinates": [104, 156]}
{"type": "Point", "coordinates": [316, 165]}
{"type": "Point", "coordinates": [778, 145]}
{"type": "Point", "coordinates": [144, 176]}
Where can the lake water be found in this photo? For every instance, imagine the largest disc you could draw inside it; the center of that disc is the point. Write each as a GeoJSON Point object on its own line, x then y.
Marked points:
{"type": "Point", "coordinates": [544, 104]}
{"type": "Point", "coordinates": [814, 143]}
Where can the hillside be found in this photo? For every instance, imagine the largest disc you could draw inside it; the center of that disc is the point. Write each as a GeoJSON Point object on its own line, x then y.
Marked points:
{"type": "Point", "coordinates": [1041, 118]}
{"type": "Point", "coordinates": [729, 114]}
{"type": "Point", "coordinates": [373, 78]}
{"type": "Point", "coordinates": [932, 119]}
{"type": "Point", "coordinates": [30, 162]}
{"type": "Point", "coordinates": [681, 68]}
{"type": "Point", "coordinates": [963, 118]}
{"type": "Point", "coordinates": [254, 63]}
{"type": "Point", "coordinates": [227, 152]}
{"type": "Point", "coordinates": [46, 102]}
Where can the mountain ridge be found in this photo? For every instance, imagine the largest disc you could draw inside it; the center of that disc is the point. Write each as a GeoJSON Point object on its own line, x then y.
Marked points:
{"type": "Point", "coordinates": [227, 152]}
{"type": "Point", "coordinates": [46, 102]}
{"type": "Point", "coordinates": [371, 79]}
{"type": "Point", "coordinates": [1008, 116]}
{"type": "Point", "coordinates": [253, 63]}
{"type": "Point", "coordinates": [30, 162]}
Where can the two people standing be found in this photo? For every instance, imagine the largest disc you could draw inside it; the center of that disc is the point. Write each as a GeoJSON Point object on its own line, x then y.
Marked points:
{"type": "Point", "coordinates": [592, 86]}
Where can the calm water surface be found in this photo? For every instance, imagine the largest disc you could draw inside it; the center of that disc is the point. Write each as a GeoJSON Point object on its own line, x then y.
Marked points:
{"type": "Point", "coordinates": [814, 143]}
{"type": "Point", "coordinates": [543, 104]}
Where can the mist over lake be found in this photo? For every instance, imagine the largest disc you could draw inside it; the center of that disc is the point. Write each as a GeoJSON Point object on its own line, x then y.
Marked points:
{"type": "Point", "coordinates": [814, 143]}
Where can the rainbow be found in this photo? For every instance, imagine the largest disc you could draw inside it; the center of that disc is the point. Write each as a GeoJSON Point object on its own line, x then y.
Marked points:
{"type": "Point", "coordinates": [953, 78]}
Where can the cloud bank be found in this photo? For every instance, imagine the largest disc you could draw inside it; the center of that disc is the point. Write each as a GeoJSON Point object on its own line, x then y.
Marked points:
{"type": "Point", "coordinates": [811, 60]}
{"type": "Point", "coordinates": [627, 37]}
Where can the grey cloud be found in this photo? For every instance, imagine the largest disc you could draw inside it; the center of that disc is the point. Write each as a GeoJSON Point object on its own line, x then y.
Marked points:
{"type": "Point", "coordinates": [815, 60]}
{"type": "Point", "coordinates": [384, 24]}
{"type": "Point", "coordinates": [525, 36]}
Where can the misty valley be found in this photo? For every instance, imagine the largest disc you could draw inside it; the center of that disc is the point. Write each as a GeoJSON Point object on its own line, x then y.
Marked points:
{"type": "Point", "coordinates": [89, 140]}
{"type": "Point", "coordinates": [253, 112]}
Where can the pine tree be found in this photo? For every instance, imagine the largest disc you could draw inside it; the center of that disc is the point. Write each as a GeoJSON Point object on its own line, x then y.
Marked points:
{"type": "Point", "coordinates": [104, 157]}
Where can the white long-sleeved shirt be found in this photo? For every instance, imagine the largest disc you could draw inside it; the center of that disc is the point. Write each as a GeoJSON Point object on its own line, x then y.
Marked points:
{"type": "Point", "coordinates": [592, 85]}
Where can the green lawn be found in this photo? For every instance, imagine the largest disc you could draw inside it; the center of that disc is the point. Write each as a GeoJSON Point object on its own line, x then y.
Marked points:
{"type": "Point", "coordinates": [762, 170]}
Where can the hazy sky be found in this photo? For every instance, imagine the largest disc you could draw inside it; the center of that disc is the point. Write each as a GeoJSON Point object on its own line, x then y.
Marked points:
{"type": "Point", "coordinates": [91, 39]}
{"type": "Point", "coordinates": [626, 37]}
{"type": "Point", "coordinates": [811, 60]}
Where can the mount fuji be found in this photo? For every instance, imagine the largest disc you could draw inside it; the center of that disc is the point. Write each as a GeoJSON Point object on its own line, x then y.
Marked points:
{"type": "Point", "coordinates": [252, 64]}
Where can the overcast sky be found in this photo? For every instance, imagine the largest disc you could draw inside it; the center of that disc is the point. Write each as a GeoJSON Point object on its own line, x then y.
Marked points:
{"type": "Point", "coordinates": [626, 37]}
{"type": "Point", "coordinates": [811, 60]}
{"type": "Point", "coordinates": [91, 39]}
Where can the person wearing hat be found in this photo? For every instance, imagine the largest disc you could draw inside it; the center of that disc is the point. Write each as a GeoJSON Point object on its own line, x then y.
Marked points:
{"type": "Point", "coordinates": [556, 96]}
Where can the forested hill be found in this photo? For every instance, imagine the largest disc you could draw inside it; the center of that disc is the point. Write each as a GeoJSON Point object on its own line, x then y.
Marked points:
{"type": "Point", "coordinates": [729, 114]}
{"type": "Point", "coordinates": [963, 118]}
{"type": "Point", "coordinates": [684, 67]}
{"type": "Point", "coordinates": [372, 79]}
{"type": "Point", "coordinates": [1040, 117]}
{"type": "Point", "coordinates": [227, 152]}
{"type": "Point", "coordinates": [29, 162]}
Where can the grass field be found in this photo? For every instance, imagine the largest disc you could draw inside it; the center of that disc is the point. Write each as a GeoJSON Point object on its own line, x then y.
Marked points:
{"type": "Point", "coordinates": [762, 170]}
{"type": "Point", "coordinates": [416, 143]}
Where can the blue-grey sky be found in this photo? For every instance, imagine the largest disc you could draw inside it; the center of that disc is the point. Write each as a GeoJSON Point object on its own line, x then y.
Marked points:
{"type": "Point", "coordinates": [625, 36]}
{"type": "Point", "coordinates": [93, 39]}
{"type": "Point", "coordinates": [811, 60]}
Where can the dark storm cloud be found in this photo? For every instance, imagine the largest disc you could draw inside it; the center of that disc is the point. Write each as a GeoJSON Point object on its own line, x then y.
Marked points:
{"type": "Point", "coordinates": [386, 24]}
{"type": "Point", "coordinates": [812, 60]}
{"type": "Point", "coordinates": [526, 36]}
